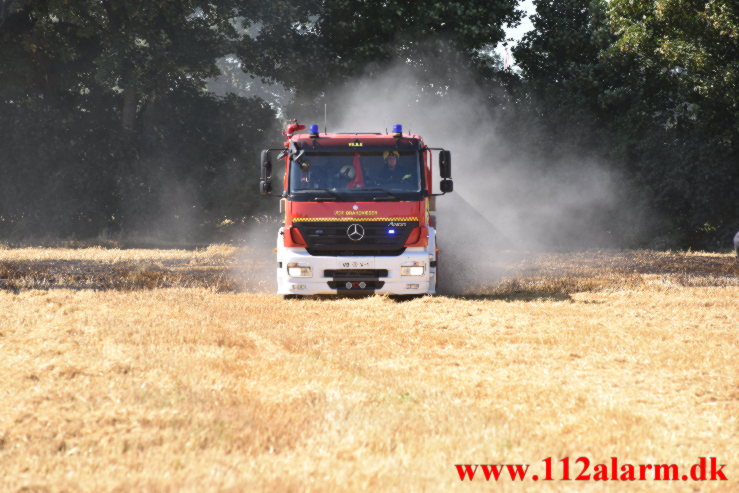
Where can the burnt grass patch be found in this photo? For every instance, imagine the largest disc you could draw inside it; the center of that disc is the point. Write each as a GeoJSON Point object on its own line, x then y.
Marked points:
{"type": "Point", "coordinates": [516, 276]}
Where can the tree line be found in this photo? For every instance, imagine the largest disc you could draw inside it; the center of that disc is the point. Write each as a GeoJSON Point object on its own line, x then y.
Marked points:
{"type": "Point", "coordinates": [107, 128]}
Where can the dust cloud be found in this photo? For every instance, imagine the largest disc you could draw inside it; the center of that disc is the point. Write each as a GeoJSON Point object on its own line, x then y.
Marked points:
{"type": "Point", "coordinates": [508, 201]}
{"type": "Point", "coordinates": [255, 261]}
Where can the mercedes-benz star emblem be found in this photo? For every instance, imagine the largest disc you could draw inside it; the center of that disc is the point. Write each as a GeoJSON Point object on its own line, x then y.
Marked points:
{"type": "Point", "coordinates": [355, 232]}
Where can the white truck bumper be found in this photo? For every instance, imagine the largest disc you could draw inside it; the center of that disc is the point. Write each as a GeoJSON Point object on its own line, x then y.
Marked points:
{"type": "Point", "coordinates": [386, 279]}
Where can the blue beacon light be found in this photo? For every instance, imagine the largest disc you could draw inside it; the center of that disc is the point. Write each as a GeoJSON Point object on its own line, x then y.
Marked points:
{"type": "Point", "coordinates": [391, 231]}
{"type": "Point", "coordinates": [398, 129]}
{"type": "Point", "coordinates": [314, 130]}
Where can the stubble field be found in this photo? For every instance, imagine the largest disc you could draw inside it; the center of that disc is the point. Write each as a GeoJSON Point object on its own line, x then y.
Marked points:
{"type": "Point", "coordinates": [169, 370]}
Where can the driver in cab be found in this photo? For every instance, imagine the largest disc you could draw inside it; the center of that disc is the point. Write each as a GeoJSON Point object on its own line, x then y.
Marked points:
{"type": "Point", "coordinates": [393, 175]}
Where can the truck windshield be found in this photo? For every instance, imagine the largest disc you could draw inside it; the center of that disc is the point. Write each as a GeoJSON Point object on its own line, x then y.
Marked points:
{"type": "Point", "coordinates": [356, 172]}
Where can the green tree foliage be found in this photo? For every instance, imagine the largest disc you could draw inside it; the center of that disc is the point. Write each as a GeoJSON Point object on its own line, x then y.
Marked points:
{"type": "Point", "coordinates": [563, 76]}
{"type": "Point", "coordinates": [311, 46]}
{"type": "Point", "coordinates": [690, 147]}
{"type": "Point", "coordinates": [136, 48]}
{"type": "Point", "coordinates": [103, 115]}
{"type": "Point", "coordinates": [697, 41]}
{"type": "Point", "coordinates": [652, 87]}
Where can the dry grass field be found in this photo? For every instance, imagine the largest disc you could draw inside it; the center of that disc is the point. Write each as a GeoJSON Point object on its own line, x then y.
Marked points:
{"type": "Point", "coordinates": [168, 370]}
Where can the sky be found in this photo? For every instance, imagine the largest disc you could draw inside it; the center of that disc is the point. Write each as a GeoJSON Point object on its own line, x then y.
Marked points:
{"type": "Point", "coordinates": [516, 33]}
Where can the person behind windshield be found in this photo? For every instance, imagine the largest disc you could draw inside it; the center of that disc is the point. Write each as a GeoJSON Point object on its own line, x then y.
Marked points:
{"type": "Point", "coordinates": [353, 173]}
{"type": "Point", "coordinates": [393, 175]}
{"type": "Point", "coordinates": [314, 178]}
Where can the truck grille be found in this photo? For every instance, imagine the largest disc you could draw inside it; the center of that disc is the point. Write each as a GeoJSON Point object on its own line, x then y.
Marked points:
{"type": "Point", "coordinates": [380, 238]}
{"type": "Point", "coordinates": [355, 273]}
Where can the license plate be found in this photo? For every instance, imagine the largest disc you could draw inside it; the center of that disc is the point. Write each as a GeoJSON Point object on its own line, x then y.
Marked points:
{"type": "Point", "coordinates": [356, 265]}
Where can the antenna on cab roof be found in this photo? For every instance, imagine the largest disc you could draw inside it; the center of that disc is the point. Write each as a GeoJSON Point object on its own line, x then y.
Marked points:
{"type": "Point", "coordinates": [325, 116]}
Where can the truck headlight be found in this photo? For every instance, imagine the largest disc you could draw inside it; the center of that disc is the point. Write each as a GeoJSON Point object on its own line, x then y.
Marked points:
{"type": "Point", "coordinates": [412, 269]}
{"type": "Point", "coordinates": [295, 269]}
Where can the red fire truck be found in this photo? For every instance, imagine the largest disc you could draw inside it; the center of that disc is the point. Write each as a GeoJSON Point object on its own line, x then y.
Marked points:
{"type": "Point", "coordinates": [359, 212]}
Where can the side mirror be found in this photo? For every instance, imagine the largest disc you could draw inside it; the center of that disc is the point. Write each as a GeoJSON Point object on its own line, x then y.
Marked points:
{"type": "Point", "coordinates": [265, 182]}
{"type": "Point", "coordinates": [266, 161]}
{"type": "Point", "coordinates": [446, 186]}
{"type": "Point", "coordinates": [445, 164]}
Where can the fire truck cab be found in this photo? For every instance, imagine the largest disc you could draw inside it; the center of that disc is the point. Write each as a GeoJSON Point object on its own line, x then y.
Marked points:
{"type": "Point", "coordinates": [359, 215]}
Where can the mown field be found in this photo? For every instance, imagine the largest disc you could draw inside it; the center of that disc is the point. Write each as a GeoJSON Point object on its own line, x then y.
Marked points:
{"type": "Point", "coordinates": [174, 370]}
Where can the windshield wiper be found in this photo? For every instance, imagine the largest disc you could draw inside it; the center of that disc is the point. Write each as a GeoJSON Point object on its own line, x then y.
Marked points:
{"type": "Point", "coordinates": [391, 195]}
{"type": "Point", "coordinates": [333, 196]}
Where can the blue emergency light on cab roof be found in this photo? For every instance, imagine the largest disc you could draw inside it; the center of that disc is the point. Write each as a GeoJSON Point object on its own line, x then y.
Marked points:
{"type": "Point", "coordinates": [398, 129]}
{"type": "Point", "coordinates": [314, 130]}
